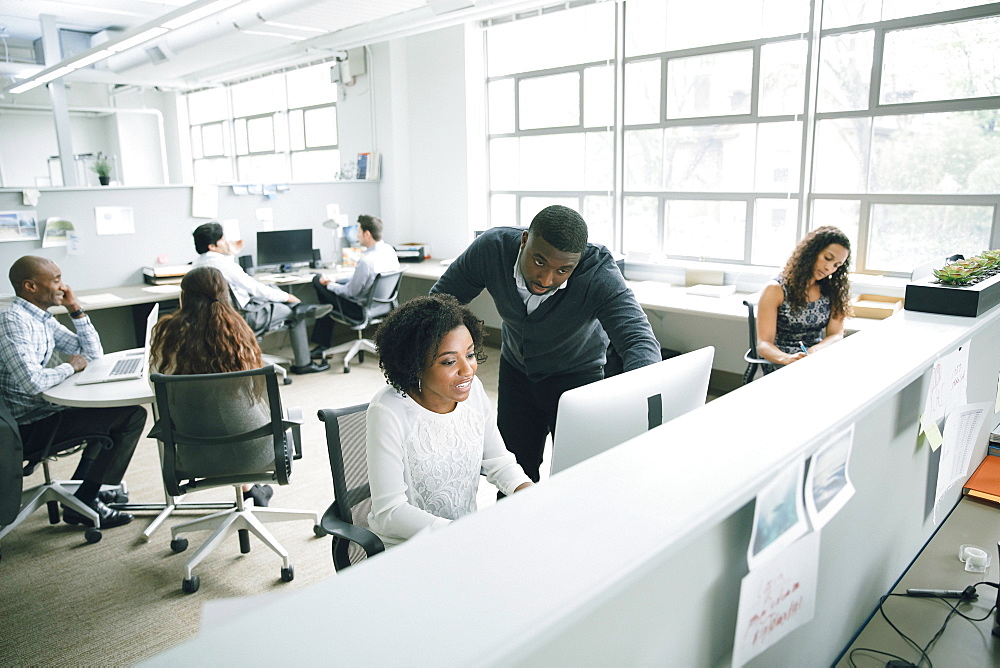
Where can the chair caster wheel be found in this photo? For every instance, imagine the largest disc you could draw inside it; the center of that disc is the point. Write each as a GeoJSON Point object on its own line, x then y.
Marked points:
{"type": "Point", "coordinates": [318, 531]}
{"type": "Point", "coordinates": [286, 381]}
{"type": "Point", "coordinates": [191, 586]}
{"type": "Point", "coordinates": [179, 544]}
{"type": "Point", "coordinates": [92, 535]}
{"type": "Point", "coordinates": [347, 369]}
{"type": "Point", "coordinates": [287, 574]}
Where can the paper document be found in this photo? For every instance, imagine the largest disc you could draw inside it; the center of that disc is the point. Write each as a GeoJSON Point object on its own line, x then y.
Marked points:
{"type": "Point", "coordinates": [960, 434]}
{"type": "Point", "coordinates": [828, 485]}
{"type": "Point", "coordinates": [776, 599]}
{"type": "Point", "coordinates": [163, 289]}
{"type": "Point", "coordinates": [102, 298]}
{"type": "Point", "coordinates": [712, 290]}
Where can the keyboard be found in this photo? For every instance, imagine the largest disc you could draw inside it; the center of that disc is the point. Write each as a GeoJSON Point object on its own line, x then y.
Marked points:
{"type": "Point", "coordinates": [126, 365]}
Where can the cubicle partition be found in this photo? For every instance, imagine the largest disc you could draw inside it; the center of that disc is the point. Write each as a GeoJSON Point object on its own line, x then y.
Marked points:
{"type": "Point", "coordinates": [163, 224]}
{"type": "Point", "coordinates": [635, 557]}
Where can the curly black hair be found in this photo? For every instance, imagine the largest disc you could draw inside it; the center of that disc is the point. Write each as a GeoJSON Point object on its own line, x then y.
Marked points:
{"type": "Point", "coordinates": [799, 269]}
{"type": "Point", "coordinates": [410, 335]}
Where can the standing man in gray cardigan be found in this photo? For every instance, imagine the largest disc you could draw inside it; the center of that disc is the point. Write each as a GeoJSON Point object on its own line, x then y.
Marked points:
{"type": "Point", "coordinates": [561, 299]}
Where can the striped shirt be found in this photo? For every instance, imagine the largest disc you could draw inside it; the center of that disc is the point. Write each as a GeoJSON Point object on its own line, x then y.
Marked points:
{"type": "Point", "coordinates": [28, 338]}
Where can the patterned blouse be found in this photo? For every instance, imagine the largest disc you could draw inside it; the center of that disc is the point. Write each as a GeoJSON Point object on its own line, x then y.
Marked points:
{"type": "Point", "coordinates": [806, 324]}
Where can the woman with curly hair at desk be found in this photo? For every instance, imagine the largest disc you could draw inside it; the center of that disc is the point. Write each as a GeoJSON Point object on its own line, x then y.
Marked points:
{"type": "Point", "coordinates": [207, 335]}
{"type": "Point", "coordinates": [433, 430]}
{"type": "Point", "coordinates": [803, 309]}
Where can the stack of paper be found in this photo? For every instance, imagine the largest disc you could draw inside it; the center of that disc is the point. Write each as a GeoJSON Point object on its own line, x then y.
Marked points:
{"type": "Point", "coordinates": [712, 290]}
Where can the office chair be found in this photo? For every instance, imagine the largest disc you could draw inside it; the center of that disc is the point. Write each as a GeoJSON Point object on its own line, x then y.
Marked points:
{"type": "Point", "coordinates": [347, 517]}
{"type": "Point", "coordinates": [754, 362]}
{"type": "Point", "coordinates": [378, 301]}
{"type": "Point", "coordinates": [227, 429]}
{"type": "Point", "coordinates": [259, 316]}
{"type": "Point", "coordinates": [17, 504]}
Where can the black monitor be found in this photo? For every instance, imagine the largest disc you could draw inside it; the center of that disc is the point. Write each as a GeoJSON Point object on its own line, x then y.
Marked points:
{"type": "Point", "coordinates": [284, 247]}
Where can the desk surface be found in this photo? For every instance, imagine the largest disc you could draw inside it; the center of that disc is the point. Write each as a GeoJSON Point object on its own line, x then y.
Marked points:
{"type": "Point", "coordinates": [963, 643]}
{"type": "Point", "coordinates": [100, 395]}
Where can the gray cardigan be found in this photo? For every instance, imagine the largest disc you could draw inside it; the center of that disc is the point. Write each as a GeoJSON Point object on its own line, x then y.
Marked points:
{"type": "Point", "coordinates": [569, 331]}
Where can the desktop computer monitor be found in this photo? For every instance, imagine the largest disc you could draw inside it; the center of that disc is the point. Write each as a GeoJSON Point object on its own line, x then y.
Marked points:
{"type": "Point", "coordinates": [284, 247]}
{"type": "Point", "coordinates": [596, 417]}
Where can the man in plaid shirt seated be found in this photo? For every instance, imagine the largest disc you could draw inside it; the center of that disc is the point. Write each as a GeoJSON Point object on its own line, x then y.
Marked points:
{"type": "Point", "coordinates": [29, 335]}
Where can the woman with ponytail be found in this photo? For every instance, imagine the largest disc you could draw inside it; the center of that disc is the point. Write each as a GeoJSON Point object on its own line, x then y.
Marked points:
{"type": "Point", "coordinates": [206, 335]}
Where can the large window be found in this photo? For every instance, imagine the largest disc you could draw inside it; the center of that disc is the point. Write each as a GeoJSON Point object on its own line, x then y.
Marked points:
{"type": "Point", "coordinates": [726, 129]}
{"type": "Point", "coordinates": [273, 129]}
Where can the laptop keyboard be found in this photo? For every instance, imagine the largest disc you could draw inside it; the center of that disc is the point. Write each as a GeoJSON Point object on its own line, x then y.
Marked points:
{"type": "Point", "coordinates": [126, 365]}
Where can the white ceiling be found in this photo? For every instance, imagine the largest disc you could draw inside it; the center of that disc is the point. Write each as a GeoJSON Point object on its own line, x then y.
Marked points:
{"type": "Point", "coordinates": [253, 36]}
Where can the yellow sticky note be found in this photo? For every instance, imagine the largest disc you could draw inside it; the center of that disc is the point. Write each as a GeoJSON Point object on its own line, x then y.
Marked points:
{"type": "Point", "coordinates": [931, 432]}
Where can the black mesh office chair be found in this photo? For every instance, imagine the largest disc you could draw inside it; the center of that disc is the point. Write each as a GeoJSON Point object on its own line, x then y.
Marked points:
{"type": "Point", "coordinates": [347, 517]}
{"type": "Point", "coordinates": [17, 504]}
{"type": "Point", "coordinates": [260, 316]}
{"type": "Point", "coordinates": [378, 301]}
{"type": "Point", "coordinates": [753, 360]}
{"type": "Point", "coordinates": [227, 429]}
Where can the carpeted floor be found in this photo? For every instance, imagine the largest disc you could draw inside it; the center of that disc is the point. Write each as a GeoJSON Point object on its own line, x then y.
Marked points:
{"type": "Point", "coordinates": [64, 602]}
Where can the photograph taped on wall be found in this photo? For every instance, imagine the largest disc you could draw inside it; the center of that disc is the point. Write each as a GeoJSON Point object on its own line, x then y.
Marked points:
{"type": "Point", "coordinates": [18, 225]}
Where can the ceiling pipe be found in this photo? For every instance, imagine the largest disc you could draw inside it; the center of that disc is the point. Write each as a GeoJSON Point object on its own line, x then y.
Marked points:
{"type": "Point", "coordinates": [241, 17]}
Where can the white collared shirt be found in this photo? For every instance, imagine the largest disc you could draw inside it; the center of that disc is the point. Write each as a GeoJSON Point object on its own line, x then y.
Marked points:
{"type": "Point", "coordinates": [243, 286]}
{"type": "Point", "coordinates": [530, 299]}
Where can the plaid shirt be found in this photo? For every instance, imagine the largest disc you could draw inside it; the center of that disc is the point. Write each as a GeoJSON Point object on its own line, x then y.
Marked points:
{"type": "Point", "coordinates": [28, 337]}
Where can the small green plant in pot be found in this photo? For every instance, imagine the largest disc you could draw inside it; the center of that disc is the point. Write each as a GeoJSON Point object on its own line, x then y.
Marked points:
{"type": "Point", "coordinates": [102, 167]}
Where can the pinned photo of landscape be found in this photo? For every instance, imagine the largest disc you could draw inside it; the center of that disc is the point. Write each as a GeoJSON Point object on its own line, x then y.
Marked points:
{"type": "Point", "coordinates": [18, 225]}
{"type": "Point", "coordinates": [828, 486]}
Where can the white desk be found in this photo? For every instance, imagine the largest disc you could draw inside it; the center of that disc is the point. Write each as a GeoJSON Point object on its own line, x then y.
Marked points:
{"type": "Point", "coordinates": [100, 395]}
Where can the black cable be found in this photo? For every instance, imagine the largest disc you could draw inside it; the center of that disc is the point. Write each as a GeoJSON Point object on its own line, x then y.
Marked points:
{"type": "Point", "coordinates": [924, 656]}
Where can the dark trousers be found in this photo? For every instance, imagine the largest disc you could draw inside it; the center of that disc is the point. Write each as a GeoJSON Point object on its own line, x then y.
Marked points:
{"type": "Point", "coordinates": [122, 424]}
{"type": "Point", "coordinates": [323, 330]}
{"type": "Point", "coordinates": [526, 411]}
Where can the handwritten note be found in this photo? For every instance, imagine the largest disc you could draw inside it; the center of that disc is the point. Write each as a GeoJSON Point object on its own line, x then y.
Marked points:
{"type": "Point", "coordinates": [776, 599]}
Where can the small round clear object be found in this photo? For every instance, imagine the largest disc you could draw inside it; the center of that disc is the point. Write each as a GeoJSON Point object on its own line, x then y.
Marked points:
{"type": "Point", "coordinates": [975, 558]}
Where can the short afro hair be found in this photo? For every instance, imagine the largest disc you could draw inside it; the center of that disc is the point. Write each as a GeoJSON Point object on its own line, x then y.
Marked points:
{"type": "Point", "coordinates": [410, 335]}
{"type": "Point", "coordinates": [562, 227]}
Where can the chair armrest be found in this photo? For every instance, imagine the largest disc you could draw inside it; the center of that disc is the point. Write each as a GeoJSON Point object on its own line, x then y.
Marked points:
{"type": "Point", "coordinates": [335, 526]}
{"type": "Point", "coordinates": [292, 421]}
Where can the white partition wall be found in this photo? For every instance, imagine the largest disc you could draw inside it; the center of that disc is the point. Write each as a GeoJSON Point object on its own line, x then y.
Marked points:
{"type": "Point", "coordinates": [635, 557]}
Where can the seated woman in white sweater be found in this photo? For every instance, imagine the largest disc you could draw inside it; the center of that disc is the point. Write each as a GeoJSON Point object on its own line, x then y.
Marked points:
{"type": "Point", "coordinates": [433, 430]}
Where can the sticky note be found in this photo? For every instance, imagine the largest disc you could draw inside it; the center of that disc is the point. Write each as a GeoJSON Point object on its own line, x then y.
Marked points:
{"type": "Point", "coordinates": [931, 432]}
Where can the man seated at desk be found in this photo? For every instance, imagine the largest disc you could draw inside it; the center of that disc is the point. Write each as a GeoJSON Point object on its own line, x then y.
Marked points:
{"type": "Point", "coordinates": [287, 310]}
{"type": "Point", "coordinates": [29, 335]}
{"type": "Point", "coordinates": [379, 258]}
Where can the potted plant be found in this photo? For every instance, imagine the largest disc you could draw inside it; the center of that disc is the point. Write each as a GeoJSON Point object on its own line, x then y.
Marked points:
{"type": "Point", "coordinates": [103, 169]}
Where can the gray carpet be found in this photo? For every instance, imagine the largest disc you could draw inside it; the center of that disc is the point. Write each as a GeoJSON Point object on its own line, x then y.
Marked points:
{"type": "Point", "coordinates": [64, 602]}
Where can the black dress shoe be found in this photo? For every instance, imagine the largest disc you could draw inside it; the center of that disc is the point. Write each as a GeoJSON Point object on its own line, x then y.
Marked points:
{"type": "Point", "coordinates": [109, 516]}
{"type": "Point", "coordinates": [317, 352]}
{"type": "Point", "coordinates": [312, 367]}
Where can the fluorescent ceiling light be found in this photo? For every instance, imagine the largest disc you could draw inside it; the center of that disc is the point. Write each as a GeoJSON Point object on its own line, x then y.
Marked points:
{"type": "Point", "coordinates": [199, 13]}
{"type": "Point", "coordinates": [26, 86]}
{"type": "Point", "coordinates": [144, 36]}
{"type": "Point", "coordinates": [285, 35]}
{"type": "Point", "coordinates": [92, 58]}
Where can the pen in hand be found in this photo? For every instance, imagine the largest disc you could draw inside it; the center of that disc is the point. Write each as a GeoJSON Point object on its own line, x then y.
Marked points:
{"type": "Point", "coordinates": [803, 348]}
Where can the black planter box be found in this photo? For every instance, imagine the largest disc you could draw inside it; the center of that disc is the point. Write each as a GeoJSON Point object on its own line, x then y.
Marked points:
{"type": "Point", "coordinates": [929, 296]}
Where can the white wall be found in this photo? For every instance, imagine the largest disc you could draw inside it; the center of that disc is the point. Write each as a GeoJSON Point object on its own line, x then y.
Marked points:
{"type": "Point", "coordinates": [422, 131]}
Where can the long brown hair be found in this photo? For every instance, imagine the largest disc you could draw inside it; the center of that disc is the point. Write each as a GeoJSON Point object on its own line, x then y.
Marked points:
{"type": "Point", "coordinates": [206, 334]}
{"type": "Point", "coordinates": [799, 269]}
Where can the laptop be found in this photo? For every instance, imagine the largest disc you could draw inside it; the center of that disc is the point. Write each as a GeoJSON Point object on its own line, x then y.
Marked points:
{"type": "Point", "coordinates": [125, 365]}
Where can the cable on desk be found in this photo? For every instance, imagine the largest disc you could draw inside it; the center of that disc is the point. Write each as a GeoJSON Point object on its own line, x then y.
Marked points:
{"type": "Point", "coordinates": [924, 656]}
